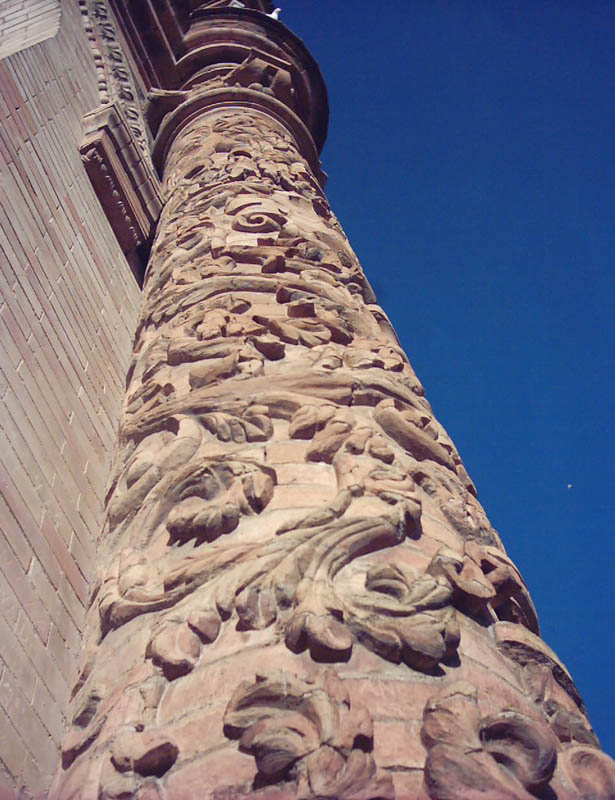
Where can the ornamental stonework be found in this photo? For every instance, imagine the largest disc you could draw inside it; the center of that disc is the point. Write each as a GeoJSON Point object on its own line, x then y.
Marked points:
{"type": "Point", "coordinates": [299, 595]}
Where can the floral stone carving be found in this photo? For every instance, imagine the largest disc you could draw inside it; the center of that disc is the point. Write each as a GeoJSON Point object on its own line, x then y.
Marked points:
{"type": "Point", "coordinates": [281, 492]}
{"type": "Point", "coordinates": [504, 756]}
{"type": "Point", "coordinates": [309, 734]}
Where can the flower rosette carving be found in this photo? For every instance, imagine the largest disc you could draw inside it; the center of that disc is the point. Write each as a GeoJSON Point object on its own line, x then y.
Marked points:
{"type": "Point", "coordinates": [307, 735]}
{"type": "Point", "coordinates": [508, 756]}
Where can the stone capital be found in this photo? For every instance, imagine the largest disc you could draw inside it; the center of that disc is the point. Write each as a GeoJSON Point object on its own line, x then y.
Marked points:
{"type": "Point", "coordinates": [224, 55]}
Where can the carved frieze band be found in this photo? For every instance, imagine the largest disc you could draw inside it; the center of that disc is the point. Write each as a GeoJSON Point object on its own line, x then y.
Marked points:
{"type": "Point", "coordinates": [116, 82]}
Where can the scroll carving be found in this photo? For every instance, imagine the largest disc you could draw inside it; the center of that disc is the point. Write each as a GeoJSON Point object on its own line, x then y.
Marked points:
{"type": "Point", "coordinates": [548, 683]}
{"type": "Point", "coordinates": [486, 584]}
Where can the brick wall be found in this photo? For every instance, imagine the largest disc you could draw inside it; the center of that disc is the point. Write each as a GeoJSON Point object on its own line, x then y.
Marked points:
{"type": "Point", "coordinates": [68, 305]}
{"type": "Point", "coordinates": [26, 22]}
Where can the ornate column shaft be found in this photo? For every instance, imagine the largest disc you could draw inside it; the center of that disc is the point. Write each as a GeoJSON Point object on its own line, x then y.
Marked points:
{"type": "Point", "coordinates": [300, 595]}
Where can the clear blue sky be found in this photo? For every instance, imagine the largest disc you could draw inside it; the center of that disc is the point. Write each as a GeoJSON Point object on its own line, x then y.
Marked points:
{"type": "Point", "coordinates": [471, 162]}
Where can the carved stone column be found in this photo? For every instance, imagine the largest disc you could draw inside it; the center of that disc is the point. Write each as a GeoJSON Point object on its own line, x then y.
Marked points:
{"type": "Point", "coordinates": [300, 595]}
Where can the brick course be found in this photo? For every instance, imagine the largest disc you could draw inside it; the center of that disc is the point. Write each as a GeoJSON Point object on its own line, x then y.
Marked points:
{"type": "Point", "coordinates": [68, 308]}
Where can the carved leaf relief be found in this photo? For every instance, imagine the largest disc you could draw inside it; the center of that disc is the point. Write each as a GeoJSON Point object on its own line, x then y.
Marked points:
{"type": "Point", "coordinates": [508, 756]}
{"type": "Point", "coordinates": [307, 734]}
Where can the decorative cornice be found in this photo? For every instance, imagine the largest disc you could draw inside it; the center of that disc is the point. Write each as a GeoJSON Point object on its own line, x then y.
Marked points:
{"type": "Point", "coordinates": [116, 83]}
{"type": "Point", "coordinates": [178, 46]}
{"type": "Point", "coordinates": [124, 181]}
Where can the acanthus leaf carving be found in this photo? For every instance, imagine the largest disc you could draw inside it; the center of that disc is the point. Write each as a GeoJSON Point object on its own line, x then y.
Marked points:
{"type": "Point", "coordinates": [276, 457]}
{"type": "Point", "coordinates": [507, 755]}
{"type": "Point", "coordinates": [309, 735]}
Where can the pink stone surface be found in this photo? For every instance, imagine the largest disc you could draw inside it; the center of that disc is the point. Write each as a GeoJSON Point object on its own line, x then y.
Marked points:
{"type": "Point", "coordinates": [293, 552]}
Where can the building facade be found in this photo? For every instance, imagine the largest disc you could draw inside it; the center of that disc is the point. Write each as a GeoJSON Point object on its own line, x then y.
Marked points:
{"type": "Point", "coordinates": [241, 558]}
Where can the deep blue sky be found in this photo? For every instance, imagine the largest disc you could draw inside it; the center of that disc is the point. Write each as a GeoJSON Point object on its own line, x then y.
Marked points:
{"type": "Point", "coordinates": [470, 160]}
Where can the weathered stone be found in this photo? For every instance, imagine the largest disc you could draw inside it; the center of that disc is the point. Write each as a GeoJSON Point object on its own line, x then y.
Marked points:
{"type": "Point", "coordinates": [146, 752]}
{"type": "Point", "coordinates": [292, 547]}
{"type": "Point", "coordinates": [311, 729]}
{"type": "Point", "coordinates": [464, 751]}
